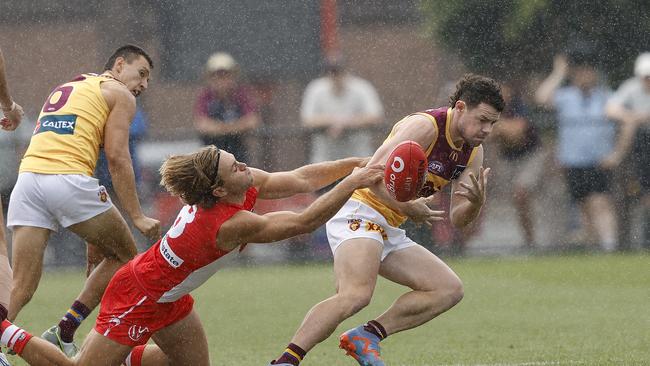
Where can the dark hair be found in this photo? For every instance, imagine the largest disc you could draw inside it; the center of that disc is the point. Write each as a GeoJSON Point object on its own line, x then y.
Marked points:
{"type": "Point", "coordinates": [130, 53]}
{"type": "Point", "coordinates": [476, 89]}
{"type": "Point", "coordinates": [193, 177]}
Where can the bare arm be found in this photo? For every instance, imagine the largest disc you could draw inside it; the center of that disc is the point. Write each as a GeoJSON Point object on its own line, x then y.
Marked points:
{"type": "Point", "coordinates": [468, 192]}
{"type": "Point", "coordinates": [247, 227]}
{"type": "Point", "coordinates": [116, 146]}
{"type": "Point", "coordinates": [546, 91]}
{"type": "Point", "coordinates": [308, 178]}
{"type": "Point", "coordinates": [12, 111]}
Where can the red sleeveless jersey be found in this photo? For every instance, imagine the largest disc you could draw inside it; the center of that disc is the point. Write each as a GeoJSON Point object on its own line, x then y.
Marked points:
{"type": "Point", "coordinates": [187, 255]}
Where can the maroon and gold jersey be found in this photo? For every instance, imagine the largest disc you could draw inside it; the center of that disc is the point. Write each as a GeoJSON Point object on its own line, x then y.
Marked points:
{"type": "Point", "coordinates": [446, 163]}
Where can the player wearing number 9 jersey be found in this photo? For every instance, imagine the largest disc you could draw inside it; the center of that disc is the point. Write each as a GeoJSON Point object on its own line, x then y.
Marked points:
{"type": "Point", "coordinates": [149, 296]}
{"type": "Point", "coordinates": [55, 186]}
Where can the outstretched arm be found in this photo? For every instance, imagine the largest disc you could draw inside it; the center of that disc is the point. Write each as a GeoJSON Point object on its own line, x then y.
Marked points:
{"type": "Point", "coordinates": [308, 178]}
{"type": "Point", "coordinates": [247, 227]}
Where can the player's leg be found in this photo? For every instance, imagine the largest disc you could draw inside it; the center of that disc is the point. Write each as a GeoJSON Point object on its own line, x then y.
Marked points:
{"type": "Point", "coordinates": [5, 276]}
{"type": "Point", "coordinates": [5, 269]}
{"type": "Point", "coordinates": [112, 237]}
{"type": "Point", "coordinates": [146, 355]}
{"type": "Point", "coordinates": [28, 245]}
{"type": "Point", "coordinates": [31, 222]}
{"type": "Point", "coordinates": [34, 350]}
{"type": "Point", "coordinates": [435, 288]}
{"type": "Point", "coordinates": [356, 264]}
{"type": "Point", "coordinates": [184, 343]}
{"type": "Point", "coordinates": [100, 350]}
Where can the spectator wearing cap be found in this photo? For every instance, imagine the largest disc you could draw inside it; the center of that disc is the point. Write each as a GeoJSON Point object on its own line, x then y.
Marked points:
{"type": "Point", "coordinates": [585, 138]}
{"type": "Point", "coordinates": [340, 109]}
{"type": "Point", "coordinates": [630, 105]}
{"type": "Point", "coordinates": [225, 111]}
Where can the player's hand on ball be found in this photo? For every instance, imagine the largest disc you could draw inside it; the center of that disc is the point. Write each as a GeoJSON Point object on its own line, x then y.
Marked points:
{"type": "Point", "coordinates": [475, 192]}
{"type": "Point", "coordinates": [148, 226]}
{"type": "Point", "coordinates": [420, 212]}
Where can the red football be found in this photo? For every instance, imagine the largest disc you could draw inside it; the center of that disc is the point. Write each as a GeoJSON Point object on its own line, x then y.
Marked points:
{"type": "Point", "coordinates": [405, 171]}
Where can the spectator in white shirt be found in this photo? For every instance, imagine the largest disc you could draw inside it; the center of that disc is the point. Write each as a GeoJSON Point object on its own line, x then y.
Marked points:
{"type": "Point", "coordinates": [341, 110]}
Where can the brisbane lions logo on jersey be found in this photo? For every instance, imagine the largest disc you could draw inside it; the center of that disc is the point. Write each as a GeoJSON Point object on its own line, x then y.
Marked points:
{"type": "Point", "coordinates": [355, 224]}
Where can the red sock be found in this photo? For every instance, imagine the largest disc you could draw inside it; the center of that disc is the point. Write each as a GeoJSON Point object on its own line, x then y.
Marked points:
{"type": "Point", "coordinates": [13, 337]}
{"type": "Point", "coordinates": [135, 357]}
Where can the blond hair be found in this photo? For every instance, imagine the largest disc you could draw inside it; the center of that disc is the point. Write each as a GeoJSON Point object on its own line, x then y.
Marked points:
{"type": "Point", "coordinates": [193, 177]}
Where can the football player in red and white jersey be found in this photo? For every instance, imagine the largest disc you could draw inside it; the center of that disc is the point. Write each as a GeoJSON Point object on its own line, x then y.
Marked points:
{"type": "Point", "coordinates": [149, 296]}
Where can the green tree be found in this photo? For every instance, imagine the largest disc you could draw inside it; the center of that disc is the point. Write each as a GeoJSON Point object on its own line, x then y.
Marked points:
{"type": "Point", "coordinates": [517, 37]}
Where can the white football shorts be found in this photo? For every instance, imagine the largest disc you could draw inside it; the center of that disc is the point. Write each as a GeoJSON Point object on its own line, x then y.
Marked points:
{"type": "Point", "coordinates": [50, 200]}
{"type": "Point", "coordinates": [358, 220]}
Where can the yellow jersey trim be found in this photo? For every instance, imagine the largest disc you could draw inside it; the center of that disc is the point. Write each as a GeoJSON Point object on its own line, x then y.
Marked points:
{"type": "Point", "coordinates": [435, 126]}
{"type": "Point", "coordinates": [471, 156]}
{"type": "Point", "coordinates": [450, 112]}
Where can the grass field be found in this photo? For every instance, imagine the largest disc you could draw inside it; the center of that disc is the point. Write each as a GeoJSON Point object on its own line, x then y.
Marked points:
{"type": "Point", "coordinates": [575, 310]}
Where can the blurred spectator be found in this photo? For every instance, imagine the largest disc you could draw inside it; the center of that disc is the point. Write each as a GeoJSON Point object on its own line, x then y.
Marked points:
{"type": "Point", "coordinates": [519, 145]}
{"type": "Point", "coordinates": [340, 109]}
{"type": "Point", "coordinates": [225, 111]}
{"type": "Point", "coordinates": [630, 105]}
{"type": "Point", "coordinates": [586, 137]}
